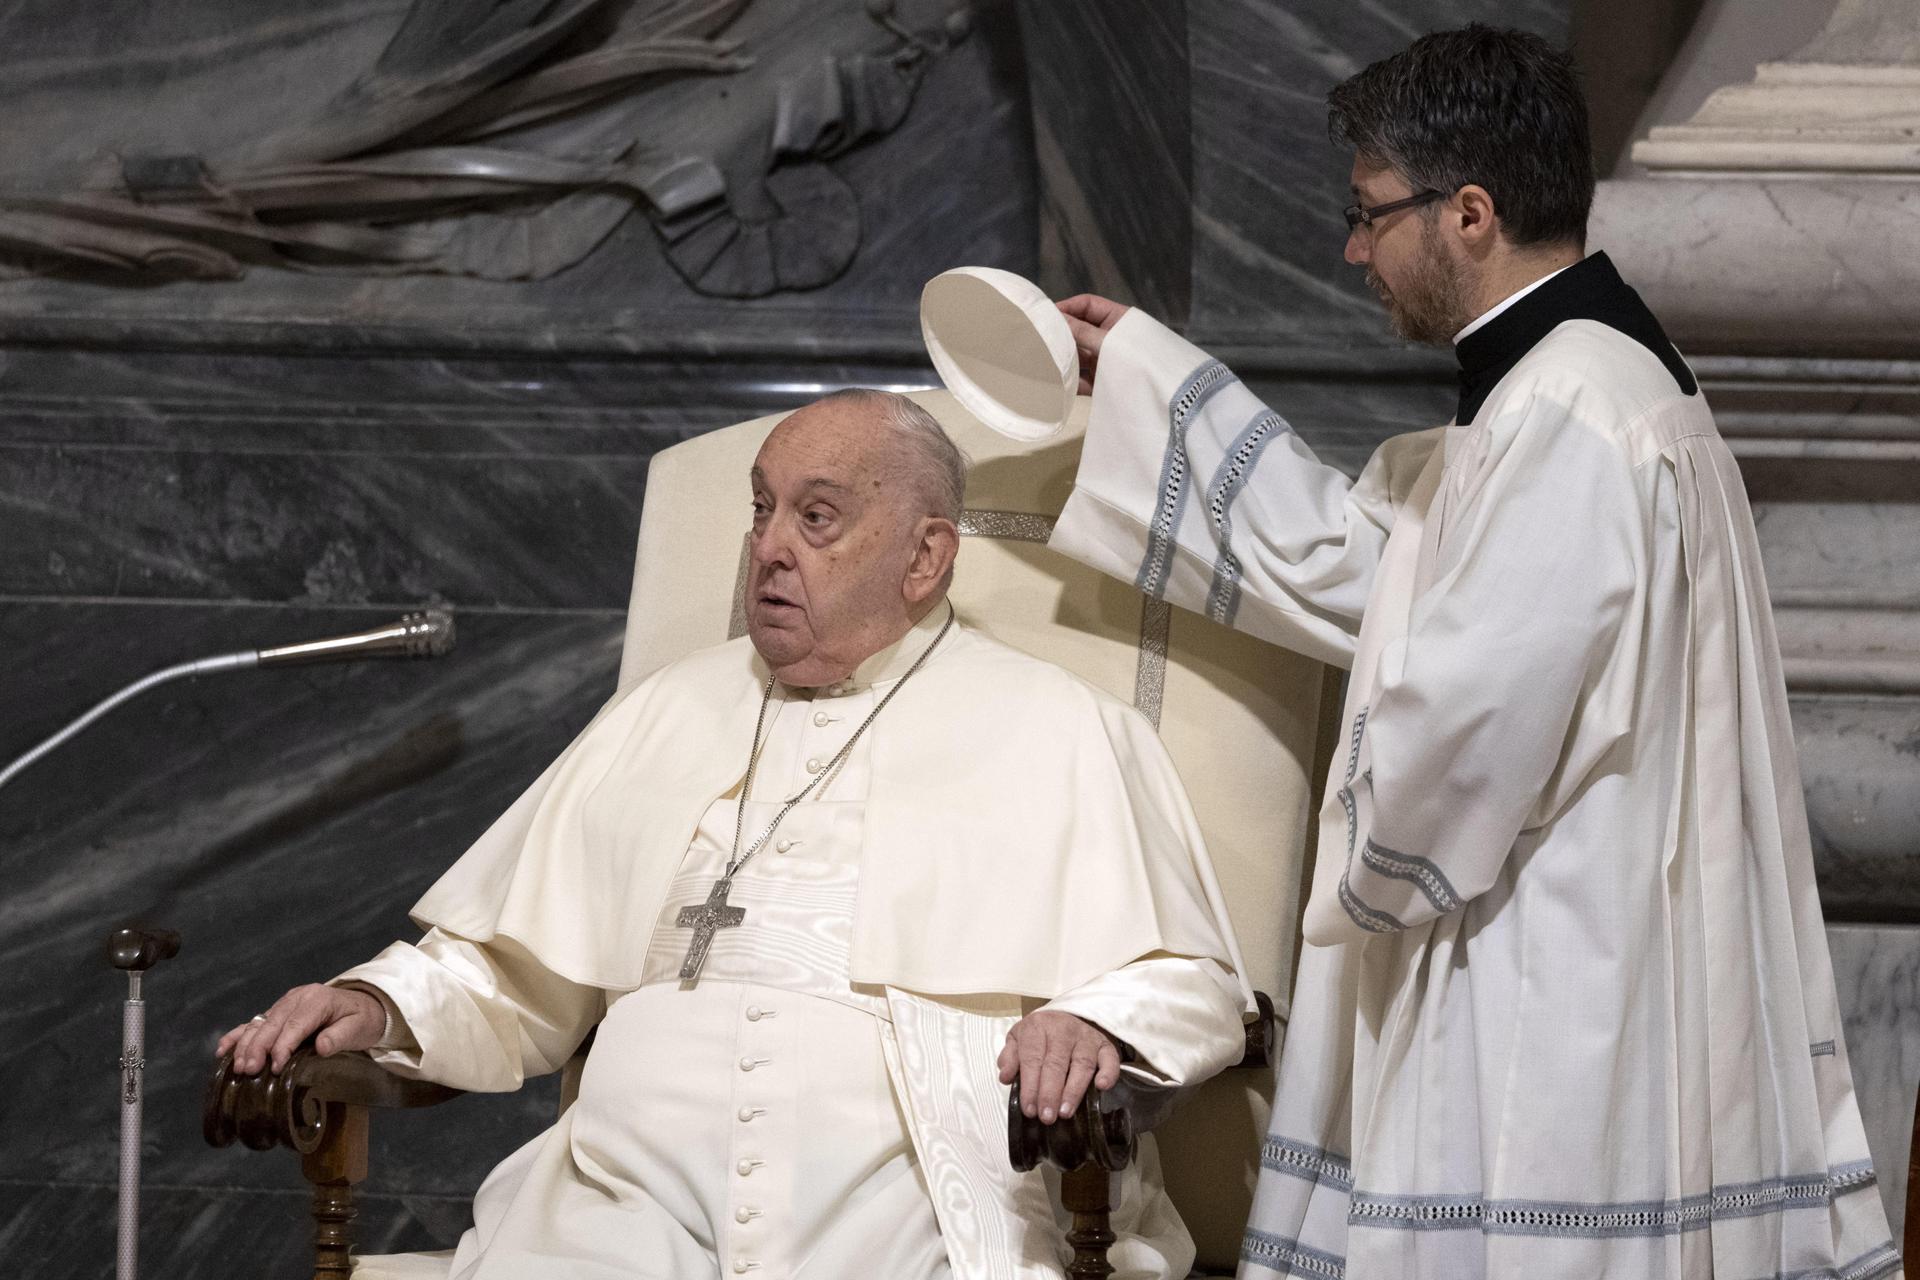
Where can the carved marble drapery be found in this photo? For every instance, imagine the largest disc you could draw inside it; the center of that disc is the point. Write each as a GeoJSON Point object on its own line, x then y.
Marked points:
{"type": "Point", "coordinates": [502, 139]}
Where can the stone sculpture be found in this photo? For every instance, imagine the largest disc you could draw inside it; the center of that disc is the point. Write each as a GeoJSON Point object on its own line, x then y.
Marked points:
{"type": "Point", "coordinates": [502, 139]}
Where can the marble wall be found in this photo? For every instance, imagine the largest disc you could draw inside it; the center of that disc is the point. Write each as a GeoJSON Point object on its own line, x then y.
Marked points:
{"type": "Point", "coordinates": [198, 468]}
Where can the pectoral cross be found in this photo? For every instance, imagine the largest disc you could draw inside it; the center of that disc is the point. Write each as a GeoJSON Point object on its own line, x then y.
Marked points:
{"type": "Point", "coordinates": [706, 920]}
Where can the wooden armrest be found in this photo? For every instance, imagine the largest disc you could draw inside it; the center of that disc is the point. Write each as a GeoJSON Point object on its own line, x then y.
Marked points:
{"type": "Point", "coordinates": [1263, 1034]}
{"type": "Point", "coordinates": [318, 1106]}
{"type": "Point", "coordinates": [1103, 1130]}
{"type": "Point", "coordinates": [1099, 1140]}
{"type": "Point", "coordinates": [290, 1109]}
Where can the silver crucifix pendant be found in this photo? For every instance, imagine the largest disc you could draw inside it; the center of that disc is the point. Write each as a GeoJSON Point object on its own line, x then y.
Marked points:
{"type": "Point", "coordinates": [706, 920]}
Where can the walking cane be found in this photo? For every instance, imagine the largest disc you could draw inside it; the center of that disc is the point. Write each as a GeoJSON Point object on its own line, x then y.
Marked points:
{"type": "Point", "coordinates": [136, 951]}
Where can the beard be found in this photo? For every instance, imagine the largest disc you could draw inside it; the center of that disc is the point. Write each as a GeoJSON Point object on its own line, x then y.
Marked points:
{"type": "Point", "coordinates": [1430, 305]}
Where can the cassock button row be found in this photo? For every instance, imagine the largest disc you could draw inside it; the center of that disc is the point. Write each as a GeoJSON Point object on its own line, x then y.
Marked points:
{"type": "Point", "coordinates": [821, 719]}
{"type": "Point", "coordinates": [755, 1013]}
{"type": "Point", "coordinates": [783, 846]}
{"type": "Point", "coordinates": [741, 1266]}
{"type": "Point", "coordinates": [744, 1214]}
{"type": "Point", "coordinates": [746, 1167]}
{"type": "Point", "coordinates": [746, 1114]}
{"type": "Point", "coordinates": [749, 1063]}
{"type": "Point", "coordinates": [813, 766]}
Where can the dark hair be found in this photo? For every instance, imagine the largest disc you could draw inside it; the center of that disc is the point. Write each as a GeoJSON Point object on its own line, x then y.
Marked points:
{"type": "Point", "coordinates": [1499, 108]}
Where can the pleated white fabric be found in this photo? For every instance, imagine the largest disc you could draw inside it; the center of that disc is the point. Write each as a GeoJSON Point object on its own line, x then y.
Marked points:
{"type": "Point", "coordinates": [1566, 1007]}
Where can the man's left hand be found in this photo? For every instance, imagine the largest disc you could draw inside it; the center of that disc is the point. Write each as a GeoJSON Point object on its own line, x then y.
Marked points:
{"type": "Point", "coordinates": [1055, 1056]}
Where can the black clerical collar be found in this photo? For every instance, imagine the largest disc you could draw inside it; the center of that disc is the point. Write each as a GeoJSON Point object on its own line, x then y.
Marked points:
{"type": "Point", "coordinates": [1588, 290]}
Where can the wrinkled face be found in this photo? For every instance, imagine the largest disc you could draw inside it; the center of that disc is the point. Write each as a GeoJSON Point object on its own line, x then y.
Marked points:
{"type": "Point", "coordinates": [1418, 281]}
{"type": "Point", "coordinates": [835, 527]}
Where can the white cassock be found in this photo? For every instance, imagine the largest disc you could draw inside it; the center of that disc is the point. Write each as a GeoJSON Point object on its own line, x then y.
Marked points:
{"type": "Point", "coordinates": [823, 1102]}
{"type": "Point", "coordinates": [1565, 1007]}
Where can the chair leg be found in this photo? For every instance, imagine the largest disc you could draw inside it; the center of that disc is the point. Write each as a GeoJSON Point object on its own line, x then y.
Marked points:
{"type": "Point", "coordinates": [1087, 1193]}
{"type": "Point", "coordinates": [333, 1168]}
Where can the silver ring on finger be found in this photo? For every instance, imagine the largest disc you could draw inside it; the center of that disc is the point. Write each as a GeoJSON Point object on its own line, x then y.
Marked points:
{"type": "Point", "coordinates": [258, 1017]}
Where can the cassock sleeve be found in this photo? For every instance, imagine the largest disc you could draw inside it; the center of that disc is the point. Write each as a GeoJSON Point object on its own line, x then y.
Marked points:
{"type": "Point", "coordinates": [1513, 679]}
{"type": "Point", "coordinates": [1181, 1015]}
{"type": "Point", "coordinates": [476, 1016]}
{"type": "Point", "coordinates": [1199, 494]}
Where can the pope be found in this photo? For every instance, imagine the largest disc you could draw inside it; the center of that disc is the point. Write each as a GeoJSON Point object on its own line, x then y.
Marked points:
{"type": "Point", "coordinates": [825, 891]}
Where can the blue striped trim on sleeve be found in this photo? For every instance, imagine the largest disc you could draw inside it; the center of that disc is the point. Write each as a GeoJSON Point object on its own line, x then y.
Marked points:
{"type": "Point", "coordinates": [1366, 917]}
{"type": "Point", "coordinates": [1175, 467]}
{"type": "Point", "coordinates": [1414, 869]}
{"type": "Point", "coordinates": [1223, 595]}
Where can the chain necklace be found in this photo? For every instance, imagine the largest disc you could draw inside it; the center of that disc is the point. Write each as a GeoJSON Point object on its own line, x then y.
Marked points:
{"type": "Point", "coordinates": [714, 914]}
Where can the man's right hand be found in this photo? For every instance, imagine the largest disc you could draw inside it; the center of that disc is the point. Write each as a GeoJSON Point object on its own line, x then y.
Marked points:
{"type": "Point", "coordinates": [345, 1018]}
{"type": "Point", "coordinates": [1090, 317]}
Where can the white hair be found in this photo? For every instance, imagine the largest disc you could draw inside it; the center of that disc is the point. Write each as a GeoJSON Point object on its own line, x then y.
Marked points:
{"type": "Point", "coordinates": [940, 466]}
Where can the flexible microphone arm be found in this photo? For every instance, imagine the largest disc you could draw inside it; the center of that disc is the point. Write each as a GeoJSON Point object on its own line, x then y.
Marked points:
{"type": "Point", "coordinates": [426, 634]}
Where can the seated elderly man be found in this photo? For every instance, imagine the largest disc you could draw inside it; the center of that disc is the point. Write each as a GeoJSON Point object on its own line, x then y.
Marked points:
{"type": "Point", "coordinates": [826, 894]}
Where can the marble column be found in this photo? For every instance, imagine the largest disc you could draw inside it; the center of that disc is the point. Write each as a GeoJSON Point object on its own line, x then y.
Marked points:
{"type": "Point", "coordinates": [1777, 234]}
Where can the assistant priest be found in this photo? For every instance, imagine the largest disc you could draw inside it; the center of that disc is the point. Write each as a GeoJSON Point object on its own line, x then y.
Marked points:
{"type": "Point", "coordinates": [1566, 1007]}
{"type": "Point", "coordinates": [825, 891]}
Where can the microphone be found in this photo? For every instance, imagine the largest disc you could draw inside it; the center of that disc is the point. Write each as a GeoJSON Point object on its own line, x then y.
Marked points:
{"type": "Point", "coordinates": [426, 633]}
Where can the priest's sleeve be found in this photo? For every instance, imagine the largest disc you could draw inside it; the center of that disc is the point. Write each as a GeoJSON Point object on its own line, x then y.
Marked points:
{"type": "Point", "coordinates": [1512, 680]}
{"type": "Point", "coordinates": [481, 1017]}
{"type": "Point", "coordinates": [1199, 494]}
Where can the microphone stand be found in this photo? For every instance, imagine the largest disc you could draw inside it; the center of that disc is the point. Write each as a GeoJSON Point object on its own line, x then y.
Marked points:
{"type": "Point", "coordinates": [426, 634]}
{"type": "Point", "coordinates": [136, 951]}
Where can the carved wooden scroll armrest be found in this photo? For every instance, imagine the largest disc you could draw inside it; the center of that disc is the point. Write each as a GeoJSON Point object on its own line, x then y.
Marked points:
{"type": "Point", "coordinates": [1099, 1139]}
{"type": "Point", "coordinates": [317, 1106]}
{"type": "Point", "coordinates": [1103, 1129]}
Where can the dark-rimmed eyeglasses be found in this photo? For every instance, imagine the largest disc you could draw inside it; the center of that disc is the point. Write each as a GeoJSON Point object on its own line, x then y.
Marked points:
{"type": "Point", "coordinates": [1361, 216]}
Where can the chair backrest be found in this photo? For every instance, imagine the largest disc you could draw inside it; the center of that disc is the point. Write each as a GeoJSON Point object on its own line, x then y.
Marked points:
{"type": "Point", "coordinates": [1242, 719]}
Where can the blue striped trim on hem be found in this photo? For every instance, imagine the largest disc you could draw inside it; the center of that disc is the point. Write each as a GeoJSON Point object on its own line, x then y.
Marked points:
{"type": "Point", "coordinates": [1175, 465]}
{"type": "Point", "coordinates": [1307, 1162]}
{"type": "Point", "coordinates": [1881, 1260]}
{"type": "Point", "coordinates": [1603, 1220]}
{"type": "Point", "coordinates": [1415, 869]}
{"type": "Point", "coordinates": [1290, 1257]}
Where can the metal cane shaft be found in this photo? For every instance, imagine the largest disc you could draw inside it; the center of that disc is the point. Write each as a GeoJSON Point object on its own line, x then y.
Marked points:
{"type": "Point", "coordinates": [133, 1048]}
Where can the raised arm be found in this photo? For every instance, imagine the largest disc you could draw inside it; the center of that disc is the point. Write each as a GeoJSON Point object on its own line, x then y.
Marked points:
{"type": "Point", "coordinates": [1199, 494]}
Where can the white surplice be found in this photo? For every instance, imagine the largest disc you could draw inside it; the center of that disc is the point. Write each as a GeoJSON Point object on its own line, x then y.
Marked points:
{"type": "Point", "coordinates": [779, 1117]}
{"type": "Point", "coordinates": [1565, 1007]}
